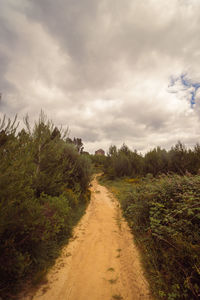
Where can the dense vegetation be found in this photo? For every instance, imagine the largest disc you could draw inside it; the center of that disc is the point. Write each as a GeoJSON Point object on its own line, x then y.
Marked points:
{"type": "Point", "coordinates": [43, 191]}
{"type": "Point", "coordinates": [124, 162]}
{"type": "Point", "coordinates": [164, 215]}
{"type": "Point", "coordinates": [44, 183]}
{"type": "Point", "coordinates": [160, 197]}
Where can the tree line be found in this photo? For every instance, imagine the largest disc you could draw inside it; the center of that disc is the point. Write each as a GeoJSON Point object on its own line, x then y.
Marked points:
{"type": "Point", "coordinates": [124, 162]}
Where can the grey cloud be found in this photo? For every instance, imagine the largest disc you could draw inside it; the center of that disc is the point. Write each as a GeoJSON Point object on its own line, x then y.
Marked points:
{"type": "Point", "coordinates": [7, 42]}
{"type": "Point", "coordinates": [100, 37]}
{"type": "Point", "coordinates": [102, 67]}
{"type": "Point", "coordinates": [88, 135]}
{"type": "Point", "coordinates": [122, 130]}
{"type": "Point", "coordinates": [5, 85]}
{"type": "Point", "coordinates": [74, 24]}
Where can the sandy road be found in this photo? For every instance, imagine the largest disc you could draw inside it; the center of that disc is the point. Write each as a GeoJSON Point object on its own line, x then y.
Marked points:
{"type": "Point", "coordinates": [100, 262]}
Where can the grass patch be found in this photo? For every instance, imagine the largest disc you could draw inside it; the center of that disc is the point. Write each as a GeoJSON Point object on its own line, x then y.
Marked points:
{"type": "Point", "coordinates": [118, 219]}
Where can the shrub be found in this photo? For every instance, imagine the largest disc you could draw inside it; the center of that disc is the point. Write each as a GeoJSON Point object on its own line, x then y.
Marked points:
{"type": "Point", "coordinates": [164, 215]}
{"type": "Point", "coordinates": [43, 191]}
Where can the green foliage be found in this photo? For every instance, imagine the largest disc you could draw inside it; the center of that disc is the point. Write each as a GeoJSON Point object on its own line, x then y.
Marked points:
{"type": "Point", "coordinates": [156, 161]}
{"type": "Point", "coordinates": [164, 215]}
{"type": "Point", "coordinates": [98, 162]}
{"type": "Point", "coordinates": [123, 162]}
{"type": "Point", "coordinates": [43, 191]}
{"type": "Point", "coordinates": [77, 142]}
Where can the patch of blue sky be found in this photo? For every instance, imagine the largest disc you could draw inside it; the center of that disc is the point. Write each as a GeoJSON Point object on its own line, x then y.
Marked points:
{"type": "Point", "coordinates": [186, 83]}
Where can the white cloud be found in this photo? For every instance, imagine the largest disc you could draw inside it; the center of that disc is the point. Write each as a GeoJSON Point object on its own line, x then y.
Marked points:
{"type": "Point", "coordinates": [103, 68]}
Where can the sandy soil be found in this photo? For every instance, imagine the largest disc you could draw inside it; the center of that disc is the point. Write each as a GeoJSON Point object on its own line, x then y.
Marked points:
{"type": "Point", "coordinates": [100, 262]}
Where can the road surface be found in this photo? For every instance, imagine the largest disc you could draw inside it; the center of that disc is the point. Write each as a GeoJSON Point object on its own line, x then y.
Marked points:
{"type": "Point", "coordinates": [101, 261]}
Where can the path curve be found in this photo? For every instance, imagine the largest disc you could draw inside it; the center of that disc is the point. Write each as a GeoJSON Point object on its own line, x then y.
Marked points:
{"type": "Point", "coordinates": [101, 261]}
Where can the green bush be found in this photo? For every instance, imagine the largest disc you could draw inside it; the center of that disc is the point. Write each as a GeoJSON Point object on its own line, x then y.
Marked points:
{"type": "Point", "coordinates": [164, 215]}
{"type": "Point", "coordinates": [43, 192]}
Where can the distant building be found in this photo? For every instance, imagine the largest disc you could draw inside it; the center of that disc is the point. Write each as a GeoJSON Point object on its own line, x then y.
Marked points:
{"type": "Point", "coordinates": [100, 152]}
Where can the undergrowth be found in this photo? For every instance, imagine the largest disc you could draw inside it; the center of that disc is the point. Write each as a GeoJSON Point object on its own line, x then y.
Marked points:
{"type": "Point", "coordinates": [164, 215]}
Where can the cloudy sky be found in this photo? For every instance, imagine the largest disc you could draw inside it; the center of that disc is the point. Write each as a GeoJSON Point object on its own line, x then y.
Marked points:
{"type": "Point", "coordinates": [113, 71]}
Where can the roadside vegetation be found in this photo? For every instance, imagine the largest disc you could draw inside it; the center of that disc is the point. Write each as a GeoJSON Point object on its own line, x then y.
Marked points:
{"type": "Point", "coordinates": [44, 182]}
{"type": "Point", "coordinates": [160, 198]}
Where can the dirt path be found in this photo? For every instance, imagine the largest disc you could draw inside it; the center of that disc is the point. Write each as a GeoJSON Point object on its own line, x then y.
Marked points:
{"type": "Point", "coordinates": [101, 261]}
